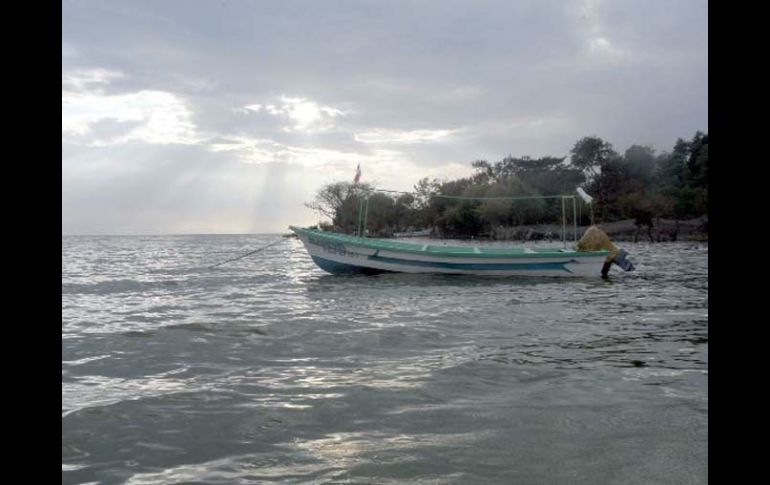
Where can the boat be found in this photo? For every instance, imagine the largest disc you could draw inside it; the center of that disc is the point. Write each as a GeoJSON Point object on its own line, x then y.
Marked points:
{"type": "Point", "coordinates": [342, 253]}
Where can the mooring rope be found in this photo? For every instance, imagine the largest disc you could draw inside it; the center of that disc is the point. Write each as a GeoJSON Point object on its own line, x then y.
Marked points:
{"type": "Point", "coordinates": [247, 254]}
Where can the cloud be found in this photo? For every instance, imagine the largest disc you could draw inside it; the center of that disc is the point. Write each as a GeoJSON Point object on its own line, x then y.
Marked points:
{"type": "Point", "coordinates": [260, 150]}
{"type": "Point", "coordinates": [153, 116]}
{"type": "Point", "coordinates": [602, 45]}
{"type": "Point", "coordinates": [82, 79]}
{"type": "Point", "coordinates": [303, 114]}
{"type": "Point", "coordinates": [158, 117]}
{"type": "Point", "coordinates": [381, 135]}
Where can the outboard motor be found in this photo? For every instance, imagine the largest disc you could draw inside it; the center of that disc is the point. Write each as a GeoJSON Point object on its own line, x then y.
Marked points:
{"type": "Point", "coordinates": [595, 239]}
{"type": "Point", "coordinates": [622, 261]}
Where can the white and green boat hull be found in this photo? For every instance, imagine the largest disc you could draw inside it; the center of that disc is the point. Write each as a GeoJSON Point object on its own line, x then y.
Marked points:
{"type": "Point", "coordinates": [339, 253]}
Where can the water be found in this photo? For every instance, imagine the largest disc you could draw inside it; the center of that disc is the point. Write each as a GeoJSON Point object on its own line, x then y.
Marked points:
{"type": "Point", "coordinates": [267, 369]}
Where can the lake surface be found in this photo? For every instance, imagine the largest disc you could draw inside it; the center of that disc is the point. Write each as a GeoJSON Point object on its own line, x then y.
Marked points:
{"type": "Point", "coordinates": [269, 370]}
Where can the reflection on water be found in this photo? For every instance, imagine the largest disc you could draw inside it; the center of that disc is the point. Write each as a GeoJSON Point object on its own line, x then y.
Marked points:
{"type": "Point", "coordinates": [269, 369]}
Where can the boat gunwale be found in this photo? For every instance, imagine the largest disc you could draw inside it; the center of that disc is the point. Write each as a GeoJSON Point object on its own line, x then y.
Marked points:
{"type": "Point", "coordinates": [465, 251]}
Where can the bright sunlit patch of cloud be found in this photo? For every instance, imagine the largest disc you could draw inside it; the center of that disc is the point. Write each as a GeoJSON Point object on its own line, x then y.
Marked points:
{"type": "Point", "coordinates": [383, 167]}
{"type": "Point", "coordinates": [387, 168]}
{"type": "Point", "coordinates": [261, 150]}
{"type": "Point", "coordinates": [162, 117]}
{"type": "Point", "coordinates": [150, 116]}
{"type": "Point", "coordinates": [303, 115]}
{"type": "Point", "coordinates": [238, 143]}
{"type": "Point", "coordinates": [381, 135]}
{"type": "Point", "coordinates": [601, 45]}
{"type": "Point", "coordinates": [251, 108]}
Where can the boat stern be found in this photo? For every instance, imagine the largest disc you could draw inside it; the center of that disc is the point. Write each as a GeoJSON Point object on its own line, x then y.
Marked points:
{"type": "Point", "coordinates": [595, 239]}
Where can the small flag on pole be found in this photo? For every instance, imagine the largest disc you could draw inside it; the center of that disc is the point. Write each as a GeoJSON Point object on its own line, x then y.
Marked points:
{"type": "Point", "coordinates": [358, 174]}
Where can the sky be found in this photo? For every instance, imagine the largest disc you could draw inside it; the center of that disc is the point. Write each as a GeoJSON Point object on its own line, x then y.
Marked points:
{"type": "Point", "coordinates": [226, 116]}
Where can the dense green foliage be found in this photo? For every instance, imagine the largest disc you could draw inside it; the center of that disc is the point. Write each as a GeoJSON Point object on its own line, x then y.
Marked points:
{"type": "Point", "coordinates": [639, 185]}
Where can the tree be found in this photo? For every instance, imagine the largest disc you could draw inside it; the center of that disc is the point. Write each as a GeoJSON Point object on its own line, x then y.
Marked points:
{"type": "Point", "coordinates": [484, 171]}
{"type": "Point", "coordinates": [494, 212]}
{"type": "Point", "coordinates": [641, 164]}
{"type": "Point", "coordinates": [601, 164]}
{"type": "Point", "coordinates": [683, 176]}
{"type": "Point", "coordinates": [639, 185]}
{"type": "Point", "coordinates": [590, 154]}
{"type": "Point", "coordinates": [670, 170]}
{"type": "Point", "coordinates": [696, 173]}
{"type": "Point", "coordinates": [339, 202]}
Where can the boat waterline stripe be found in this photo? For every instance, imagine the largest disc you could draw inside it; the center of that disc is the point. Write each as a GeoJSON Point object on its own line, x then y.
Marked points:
{"type": "Point", "coordinates": [555, 265]}
{"type": "Point", "coordinates": [334, 266]}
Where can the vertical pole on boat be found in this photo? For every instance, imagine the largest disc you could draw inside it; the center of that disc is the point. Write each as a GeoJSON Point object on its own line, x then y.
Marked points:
{"type": "Point", "coordinates": [574, 215]}
{"type": "Point", "coordinates": [360, 216]}
{"type": "Point", "coordinates": [366, 216]}
{"type": "Point", "coordinates": [563, 223]}
{"type": "Point", "coordinates": [580, 211]}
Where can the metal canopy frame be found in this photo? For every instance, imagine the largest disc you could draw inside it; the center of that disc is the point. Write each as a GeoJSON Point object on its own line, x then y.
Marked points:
{"type": "Point", "coordinates": [363, 209]}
